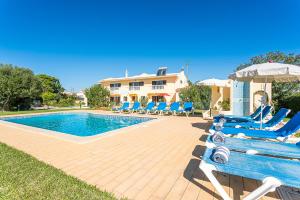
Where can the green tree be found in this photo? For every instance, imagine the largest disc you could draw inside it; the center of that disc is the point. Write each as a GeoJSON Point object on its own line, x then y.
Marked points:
{"type": "Point", "coordinates": [50, 84]}
{"type": "Point", "coordinates": [18, 87]}
{"type": "Point", "coordinates": [97, 96]}
{"type": "Point", "coordinates": [280, 91]}
{"type": "Point", "coordinates": [67, 100]}
{"type": "Point", "coordinates": [199, 95]}
{"type": "Point", "coordinates": [49, 98]}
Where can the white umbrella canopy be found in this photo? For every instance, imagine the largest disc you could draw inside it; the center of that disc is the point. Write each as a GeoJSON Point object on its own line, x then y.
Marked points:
{"type": "Point", "coordinates": [268, 72]}
{"type": "Point", "coordinates": [214, 82]}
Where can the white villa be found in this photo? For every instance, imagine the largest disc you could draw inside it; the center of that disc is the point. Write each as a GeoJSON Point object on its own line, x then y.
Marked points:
{"type": "Point", "coordinates": [162, 86]}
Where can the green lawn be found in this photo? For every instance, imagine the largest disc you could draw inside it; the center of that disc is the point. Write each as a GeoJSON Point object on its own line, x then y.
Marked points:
{"type": "Point", "coordinates": [34, 111]}
{"type": "Point", "coordinates": [24, 177]}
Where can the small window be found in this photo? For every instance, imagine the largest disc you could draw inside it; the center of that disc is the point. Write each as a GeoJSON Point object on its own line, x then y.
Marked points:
{"type": "Point", "coordinates": [115, 85]}
{"type": "Point", "coordinates": [160, 82]}
{"type": "Point", "coordinates": [136, 84]}
{"type": "Point", "coordinates": [158, 99]}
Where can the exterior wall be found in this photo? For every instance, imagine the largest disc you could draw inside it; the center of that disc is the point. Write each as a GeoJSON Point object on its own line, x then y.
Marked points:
{"type": "Point", "coordinates": [169, 91]}
{"type": "Point", "coordinates": [251, 97]}
{"type": "Point", "coordinates": [82, 98]}
{"type": "Point", "coordinates": [256, 91]}
{"type": "Point", "coordinates": [243, 100]}
{"type": "Point", "coordinates": [218, 95]}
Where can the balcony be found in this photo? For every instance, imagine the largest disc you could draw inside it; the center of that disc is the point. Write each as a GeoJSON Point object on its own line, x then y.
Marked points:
{"type": "Point", "coordinates": [131, 88]}
{"type": "Point", "coordinates": [113, 89]}
{"type": "Point", "coordinates": [158, 87]}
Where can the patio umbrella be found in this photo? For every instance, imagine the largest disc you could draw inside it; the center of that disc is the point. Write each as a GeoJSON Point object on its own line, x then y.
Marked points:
{"type": "Point", "coordinates": [214, 82]}
{"type": "Point", "coordinates": [267, 73]}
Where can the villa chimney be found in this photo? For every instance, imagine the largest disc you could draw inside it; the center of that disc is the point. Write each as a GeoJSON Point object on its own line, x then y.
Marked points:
{"type": "Point", "coordinates": [126, 73]}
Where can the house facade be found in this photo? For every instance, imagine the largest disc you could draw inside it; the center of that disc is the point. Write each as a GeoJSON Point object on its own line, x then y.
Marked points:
{"type": "Point", "coordinates": [240, 98]}
{"type": "Point", "coordinates": [162, 86]}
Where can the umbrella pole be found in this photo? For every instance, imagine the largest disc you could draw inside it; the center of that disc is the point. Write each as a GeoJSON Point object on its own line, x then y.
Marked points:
{"type": "Point", "coordinates": [262, 104]}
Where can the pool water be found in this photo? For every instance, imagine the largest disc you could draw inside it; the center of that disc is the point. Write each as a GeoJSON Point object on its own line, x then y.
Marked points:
{"type": "Point", "coordinates": [79, 124]}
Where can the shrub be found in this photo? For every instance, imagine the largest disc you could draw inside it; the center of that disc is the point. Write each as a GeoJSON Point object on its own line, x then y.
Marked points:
{"type": "Point", "coordinates": [49, 98]}
{"type": "Point", "coordinates": [225, 105]}
{"type": "Point", "coordinates": [97, 96]}
{"type": "Point", "coordinates": [292, 102]}
{"type": "Point", "coordinates": [18, 87]}
{"type": "Point", "coordinates": [199, 95]}
{"type": "Point", "coordinates": [67, 101]}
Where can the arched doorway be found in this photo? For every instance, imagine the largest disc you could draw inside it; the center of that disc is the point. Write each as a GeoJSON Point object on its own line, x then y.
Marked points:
{"type": "Point", "coordinates": [257, 98]}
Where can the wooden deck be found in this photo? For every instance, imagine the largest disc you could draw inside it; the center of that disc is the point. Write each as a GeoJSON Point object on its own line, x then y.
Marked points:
{"type": "Point", "coordinates": [159, 160]}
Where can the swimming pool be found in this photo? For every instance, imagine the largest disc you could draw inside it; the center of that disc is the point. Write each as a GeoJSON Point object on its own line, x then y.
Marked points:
{"type": "Point", "coordinates": [78, 124]}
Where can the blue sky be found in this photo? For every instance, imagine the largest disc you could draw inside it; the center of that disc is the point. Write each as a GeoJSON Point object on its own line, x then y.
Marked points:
{"type": "Point", "coordinates": [82, 42]}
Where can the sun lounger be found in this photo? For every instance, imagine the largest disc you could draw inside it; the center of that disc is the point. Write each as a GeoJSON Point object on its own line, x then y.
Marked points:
{"type": "Point", "coordinates": [274, 121]}
{"type": "Point", "coordinates": [160, 108]}
{"type": "Point", "coordinates": [135, 107]}
{"type": "Point", "coordinates": [174, 108]}
{"type": "Point", "coordinates": [187, 108]}
{"type": "Point", "coordinates": [282, 134]}
{"type": "Point", "coordinates": [265, 112]}
{"type": "Point", "coordinates": [123, 108]}
{"type": "Point", "coordinates": [253, 115]}
{"type": "Point", "coordinates": [272, 171]}
{"type": "Point", "coordinates": [258, 146]}
{"type": "Point", "coordinates": [148, 108]}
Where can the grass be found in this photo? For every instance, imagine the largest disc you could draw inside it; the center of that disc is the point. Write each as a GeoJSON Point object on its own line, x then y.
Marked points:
{"type": "Point", "coordinates": [24, 177]}
{"type": "Point", "coordinates": [35, 111]}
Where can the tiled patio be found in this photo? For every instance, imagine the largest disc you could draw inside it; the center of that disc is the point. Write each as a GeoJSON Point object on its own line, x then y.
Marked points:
{"type": "Point", "coordinates": [158, 160]}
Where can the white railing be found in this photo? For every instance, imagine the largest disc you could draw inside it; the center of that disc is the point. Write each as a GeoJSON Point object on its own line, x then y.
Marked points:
{"type": "Point", "coordinates": [114, 88]}
{"type": "Point", "coordinates": [157, 87]}
{"type": "Point", "coordinates": [134, 88]}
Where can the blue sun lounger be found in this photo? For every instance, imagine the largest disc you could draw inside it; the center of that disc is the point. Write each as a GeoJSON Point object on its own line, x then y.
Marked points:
{"type": "Point", "coordinates": [265, 112]}
{"type": "Point", "coordinates": [187, 108]}
{"type": "Point", "coordinates": [123, 108]}
{"type": "Point", "coordinates": [135, 107]}
{"type": "Point", "coordinates": [148, 108]}
{"type": "Point", "coordinates": [174, 108]}
{"type": "Point", "coordinates": [160, 108]}
{"type": "Point", "coordinates": [258, 147]}
{"type": "Point", "coordinates": [252, 116]}
{"type": "Point", "coordinates": [282, 134]}
{"type": "Point", "coordinates": [272, 171]}
{"type": "Point", "coordinates": [274, 121]}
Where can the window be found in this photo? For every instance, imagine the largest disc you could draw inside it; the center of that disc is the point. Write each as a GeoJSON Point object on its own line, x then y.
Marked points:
{"type": "Point", "coordinates": [115, 100]}
{"type": "Point", "coordinates": [115, 85]}
{"type": "Point", "coordinates": [161, 71]}
{"type": "Point", "coordinates": [160, 82]}
{"type": "Point", "coordinates": [158, 99]}
{"type": "Point", "coordinates": [136, 84]}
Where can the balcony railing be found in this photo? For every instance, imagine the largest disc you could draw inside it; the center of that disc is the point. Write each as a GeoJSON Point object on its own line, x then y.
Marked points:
{"type": "Point", "coordinates": [114, 88]}
{"type": "Point", "coordinates": [158, 87]}
{"type": "Point", "coordinates": [134, 88]}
